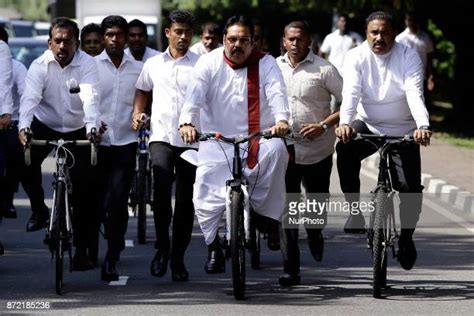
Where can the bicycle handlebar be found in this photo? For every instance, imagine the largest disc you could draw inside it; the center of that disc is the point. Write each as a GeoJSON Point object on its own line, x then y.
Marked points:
{"type": "Point", "coordinates": [357, 136]}
{"type": "Point", "coordinates": [236, 139]}
{"type": "Point", "coordinates": [60, 143]}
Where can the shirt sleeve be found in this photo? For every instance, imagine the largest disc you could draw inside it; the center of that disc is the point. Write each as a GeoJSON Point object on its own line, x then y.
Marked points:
{"type": "Point", "coordinates": [89, 93]}
{"type": "Point", "coordinates": [275, 89]}
{"type": "Point", "coordinates": [413, 84]}
{"type": "Point", "coordinates": [144, 81]}
{"type": "Point", "coordinates": [333, 82]}
{"type": "Point", "coordinates": [33, 93]}
{"type": "Point", "coordinates": [20, 75]}
{"type": "Point", "coordinates": [325, 46]}
{"type": "Point", "coordinates": [351, 89]}
{"type": "Point", "coordinates": [6, 84]}
{"type": "Point", "coordinates": [196, 92]}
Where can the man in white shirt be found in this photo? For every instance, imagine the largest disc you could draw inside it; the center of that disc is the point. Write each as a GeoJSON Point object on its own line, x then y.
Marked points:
{"type": "Point", "coordinates": [413, 36]}
{"type": "Point", "coordinates": [210, 39]}
{"type": "Point", "coordinates": [383, 94]}
{"type": "Point", "coordinates": [338, 43]}
{"type": "Point", "coordinates": [310, 82]}
{"type": "Point", "coordinates": [14, 159]}
{"type": "Point", "coordinates": [137, 40]}
{"type": "Point", "coordinates": [91, 39]}
{"type": "Point", "coordinates": [61, 100]}
{"type": "Point", "coordinates": [219, 101]}
{"type": "Point", "coordinates": [118, 74]}
{"type": "Point", "coordinates": [168, 75]}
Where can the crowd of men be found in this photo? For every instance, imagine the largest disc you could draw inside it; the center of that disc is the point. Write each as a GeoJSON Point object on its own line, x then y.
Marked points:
{"type": "Point", "coordinates": [231, 86]}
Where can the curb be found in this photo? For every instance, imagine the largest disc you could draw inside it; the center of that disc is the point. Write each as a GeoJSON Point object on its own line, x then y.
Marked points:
{"type": "Point", "coordinates": [462, 201]}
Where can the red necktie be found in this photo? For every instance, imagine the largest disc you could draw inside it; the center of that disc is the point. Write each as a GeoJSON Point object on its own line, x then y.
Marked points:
{"type": "Point", "coordinates": [253, 99]}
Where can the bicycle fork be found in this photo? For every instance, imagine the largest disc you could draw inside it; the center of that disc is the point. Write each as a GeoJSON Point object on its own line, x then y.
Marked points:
{"type": "Point", "coordinates": [228, 214]}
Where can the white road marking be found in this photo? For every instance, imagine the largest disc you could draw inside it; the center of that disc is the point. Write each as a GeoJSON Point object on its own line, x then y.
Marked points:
{"type": "Point", "coordinates": [121, 282]}
{"type": "Point", "coordinates": [129, 243]}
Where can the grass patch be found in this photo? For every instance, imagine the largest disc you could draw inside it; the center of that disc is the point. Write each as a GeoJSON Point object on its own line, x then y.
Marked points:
{"type": "Point", "coordinates": [461, 141]}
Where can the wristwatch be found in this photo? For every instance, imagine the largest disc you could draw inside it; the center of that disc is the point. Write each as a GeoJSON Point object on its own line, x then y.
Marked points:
{"type": "Point", "coordinates": [324, 125]}
{"type": "Point", "coordinates": [425, 127]}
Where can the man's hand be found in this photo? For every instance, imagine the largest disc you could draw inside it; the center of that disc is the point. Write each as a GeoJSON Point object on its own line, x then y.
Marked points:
{"type": "Point", "coordinates": [25, 135]}
{"type": "Point", "coordinates": [311, 131]}
{"type": "Point", "coordinates": [430, 84]}
{"type": "Point", "coordinates": [138, 119]}
{"type": "Point", "coordinates": [280, 128]}
{"type": "Point", "coordinates": [344, 132]}
{"type": "Point", "coordinates": [188, 134]}
{"type": "Point", "coordinates": [422, 136]}
{"type": "Point", "coordinates": [5, 121]}
{"type": "Point", "coordinates": [94, 136]}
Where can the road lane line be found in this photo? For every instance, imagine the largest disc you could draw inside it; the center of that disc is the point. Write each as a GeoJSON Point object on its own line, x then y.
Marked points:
{"type": "Point", "coordinates": [121, 281]}
{"type": "Point", "coordinates": [129, 243]}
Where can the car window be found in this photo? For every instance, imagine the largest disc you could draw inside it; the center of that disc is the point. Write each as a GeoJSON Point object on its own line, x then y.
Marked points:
{"type": "Point", "coordinates": [26, 53]}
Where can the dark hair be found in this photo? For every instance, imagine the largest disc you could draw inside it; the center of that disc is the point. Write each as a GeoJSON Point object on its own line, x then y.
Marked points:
{"type": "Point", "coordinates": [379, 15]}
{"type": "Point", "coordinates": [182, 17]}
{"type": "Point", "coordinates": [90, 28]}
{"type": "Point", "coordinates": [240, 20]}
{"type": "Point", "coordinates": [211, 28]}
{"type": "Point", "coordinates": [138, 23]}
{"type": "Point", "coordinates": [3, 35]}
{"type": "Point", "coordinates": [114, 20]}
{"type": "Point", "coordinates": [300, 24]}
{"type": "Point", "coordinates": [343, 15]}
{"type": "Point", "coordinates": [64, 23]}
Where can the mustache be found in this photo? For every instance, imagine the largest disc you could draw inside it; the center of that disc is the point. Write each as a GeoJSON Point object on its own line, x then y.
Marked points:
{"type": "Point", "coordinates": [237, 50]}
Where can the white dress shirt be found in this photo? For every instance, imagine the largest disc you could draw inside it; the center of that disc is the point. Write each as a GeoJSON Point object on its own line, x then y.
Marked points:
{"type": "Point", "coordinates": [6, 101]}
{"type": "Point", "coordinates": [385, 91]}
{"type": "Point", "coordinates": [117, 88]}
{"type": "Point", "coordinates": [169, 79]}
{"type": "Point", "coordinates": [420, 41]}
{"type": "Point", "coordinates": [47, 93]}
{"type": "Point", "coordinates": [198, 48]}
{"type": "Point", "coordinates": [337, 45]}
{"type": "Point", "coordinates": [19, 77]}
{"type": "Point", "coordinates": [149, 52]}
{"type": "Point", "coordinates": [310, 85]}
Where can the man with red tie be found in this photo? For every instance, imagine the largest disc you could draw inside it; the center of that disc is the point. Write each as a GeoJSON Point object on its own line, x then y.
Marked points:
{"type": "Point", "coordinates": [236, 90]}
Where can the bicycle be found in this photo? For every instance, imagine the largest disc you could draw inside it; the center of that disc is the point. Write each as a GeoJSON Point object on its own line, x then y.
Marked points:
{"type": "Point", "coordinates": [59, 231]}
{"type": "Point", "coordinates": [141, 189]}
{"type": "Point", "coordinates": [240, 231]}
{"type": "Point", "coordinates": [383, 232]}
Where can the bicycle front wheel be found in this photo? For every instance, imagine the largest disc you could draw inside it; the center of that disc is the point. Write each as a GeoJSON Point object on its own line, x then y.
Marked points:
{"type": "Point", "coordinates": [142, 198]}
{"type": "Point", "coordinates": [380, 242]}
{"type": "Point", "coordinates": [58, 227]}
{"type": "Point", "coordinates": [237, 244]}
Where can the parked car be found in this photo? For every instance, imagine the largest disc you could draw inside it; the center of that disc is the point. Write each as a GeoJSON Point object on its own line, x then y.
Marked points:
{"type": "Point", "coordinates": [6, 24]}
{"type": "Point", "coordinates": [42, 28]}
{"type": "Point", "coordinates": [23, 28]}
{"type": "Point", "coordinates": [26, 49]}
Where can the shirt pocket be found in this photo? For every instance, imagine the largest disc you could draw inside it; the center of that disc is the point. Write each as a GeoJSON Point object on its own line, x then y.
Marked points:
{"type": "Point", "coordinates": [312, 89]}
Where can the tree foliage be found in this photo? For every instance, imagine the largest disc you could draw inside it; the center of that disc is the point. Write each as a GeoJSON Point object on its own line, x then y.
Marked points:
{"type": "Point", "coordinates": [29, 9]}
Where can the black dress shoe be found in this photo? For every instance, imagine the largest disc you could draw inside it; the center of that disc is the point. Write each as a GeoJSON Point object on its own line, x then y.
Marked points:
{"type": "Point", "coordinates": [109, 271]}
{"type": "Point", "coordinates": [2, 250]}
{"type": "Point", "coordinates": [316, 246]}
{"type": "Point", "coordinates": [10, 212]}
{"type": "Point", "coordinates": [288, 279]}
{"type": "Point", "coordinates": [35, 224]}
{"type": "Point", "coordinates": [355, 224]}
{"type": "Point", "coordinates": [81, 262]}
{"type": "Point", "coordinates": [215, 262]}
{"type": "Point", "coordinates": [406, 252]}
{"type": "Point", "coordinates": [159, 264]}
{"type": "Point", "coordinates": [179, 272]}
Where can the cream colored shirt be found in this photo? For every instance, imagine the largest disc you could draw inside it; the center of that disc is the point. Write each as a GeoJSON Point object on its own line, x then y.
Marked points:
{"type": "Point", "coordinates": [310, 85]}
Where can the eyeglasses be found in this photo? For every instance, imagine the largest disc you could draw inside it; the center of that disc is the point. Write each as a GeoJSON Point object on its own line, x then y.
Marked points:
{"type": "Point", "coordinates": [242, 40]}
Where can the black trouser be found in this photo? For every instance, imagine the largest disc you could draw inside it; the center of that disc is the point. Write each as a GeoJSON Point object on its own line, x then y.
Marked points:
{"type": "Point", "coordinates": [315, 178]}
{"type": "Point", "coordinates": [11, 165]}
{"type": "Point", "coordinates": [84, 196]}
{"type": "Point", "coordinates": [116, 168]}
{"type": "Point", "coordinates": [405, 171]}
{"type": "Point", "coordinates": [168, 166]}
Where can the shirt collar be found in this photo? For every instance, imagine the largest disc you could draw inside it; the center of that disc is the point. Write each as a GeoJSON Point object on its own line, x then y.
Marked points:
{"type": "Point", "coordinates": [74, 62]}
{"type": "Point", "coordinates": [168, 54]}
{"type": "Point", "coordinates": [309, 58]}
{"type": "Point", "coordinates": [105, 56]}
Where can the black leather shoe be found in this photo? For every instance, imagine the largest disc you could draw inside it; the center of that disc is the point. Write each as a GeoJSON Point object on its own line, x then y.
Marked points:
{"type": "Point", "coordinates": [10, 212]}
{"type": "Point", "coordinates": [355, 224]}
{"type": "Point", "coordinates": [109, 271]}
{"type": "Point", "coordinates": [215, 262]}
{"type": "Point", "coordinates": [273, 241]}
{"type": "Point", "coordinates": [35, 224]}
{"type": "Point", "coordinates": [288, 279]}
{"type": "Point", "coordinates": [2, 250]}
{"type": "Point", "coordinates": [81, 262]}
{"type": "Point", "coordinates": [406, 252]}
{"type": "Point", "coordinates": [316, 246]}
{"type": "Point", "coordinates": [159, 264]}
{"type": "Point", "coordinates": [179, 272]}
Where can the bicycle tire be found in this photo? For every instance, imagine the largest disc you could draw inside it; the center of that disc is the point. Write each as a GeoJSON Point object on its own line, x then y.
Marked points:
{"type": "Point", "coordinates": [59, 225]}
{"type": "Point", "coordinates": [380, 242]}
{"type": "Point", "coordinates": [237, 244]}
{"type": "Point", "coordinates": [142, 198]}
{"type": "Point", "coordinates": [254, 247]}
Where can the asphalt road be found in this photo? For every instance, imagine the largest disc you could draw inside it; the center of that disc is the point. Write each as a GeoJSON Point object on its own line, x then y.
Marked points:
{"type": "Point", "coordinates": [442, 281]}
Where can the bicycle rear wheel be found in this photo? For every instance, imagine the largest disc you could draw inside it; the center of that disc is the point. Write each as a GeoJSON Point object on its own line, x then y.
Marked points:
{"type": "Point", "coordinates": [59, 225]}
{"type": "Point", "coordinates": [237, 244]}
{"type": "Point", "coordinates": [142, 197]}
{"type": "Point", "coordinates": [254, 247]}
{"type": "Point", "coordinates": [380, 242]}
